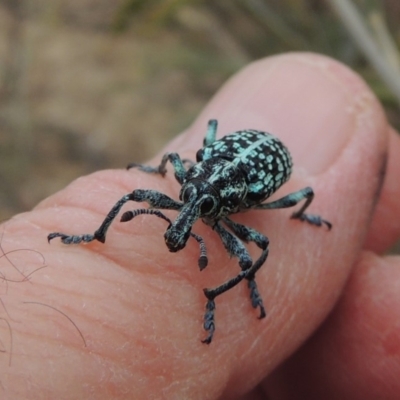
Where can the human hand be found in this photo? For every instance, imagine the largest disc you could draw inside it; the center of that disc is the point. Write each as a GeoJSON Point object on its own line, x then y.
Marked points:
{"type": "Point", "coordinates": [140, 308]}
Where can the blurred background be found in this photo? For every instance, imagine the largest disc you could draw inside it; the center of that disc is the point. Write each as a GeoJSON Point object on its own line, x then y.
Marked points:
{"type": "Point", "coordinates": [93, 84]}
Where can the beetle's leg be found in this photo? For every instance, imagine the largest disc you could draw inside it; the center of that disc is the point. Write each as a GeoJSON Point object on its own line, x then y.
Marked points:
{"type": "Point", "coordinates": [236, 249]}
{"type": "Point", "coordinates": [155, 199]}
{"type": "Point", "coordinates": [211, 134]}
{"type": "Point", "coordinates": [291, 200]}
{"type": "Point", "coordinates": [100, 233]}
{"type": "Point", "coordinates": [248, 234]}
{"type": "Point", "coordinates": [152, 197]}
{"type": "Point", "coordinates": [173, 158]}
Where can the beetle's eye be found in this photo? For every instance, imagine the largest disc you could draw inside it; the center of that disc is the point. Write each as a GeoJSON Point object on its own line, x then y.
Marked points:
{"type": "Point", "coordinates": [186, 194]}
{"type": "Point", "coordinates": [206, 205]}
{"type": "Point", "coordinates": [199, 155]}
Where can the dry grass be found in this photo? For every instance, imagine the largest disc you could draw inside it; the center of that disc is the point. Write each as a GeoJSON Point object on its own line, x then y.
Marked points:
{"type": "Point", "coordinates": [94, 84]}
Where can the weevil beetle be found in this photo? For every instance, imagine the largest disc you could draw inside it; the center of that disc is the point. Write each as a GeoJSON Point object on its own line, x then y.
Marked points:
{"type": "Point", "coordinates": [230, 175]}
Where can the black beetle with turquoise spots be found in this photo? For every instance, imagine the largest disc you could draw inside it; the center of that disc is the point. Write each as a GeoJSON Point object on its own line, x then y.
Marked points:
{"type": "Point", "coordinates": [233, 174]}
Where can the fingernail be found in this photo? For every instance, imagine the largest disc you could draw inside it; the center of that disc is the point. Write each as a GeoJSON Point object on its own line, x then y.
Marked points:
{"type": "Point", "coordinates": [312, 103]}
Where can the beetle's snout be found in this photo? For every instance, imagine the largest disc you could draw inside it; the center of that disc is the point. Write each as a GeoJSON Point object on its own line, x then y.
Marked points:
{"type": "Point", "coordinates": [178, 232]}
{"type": "Point", "coordinates": [176, 239]}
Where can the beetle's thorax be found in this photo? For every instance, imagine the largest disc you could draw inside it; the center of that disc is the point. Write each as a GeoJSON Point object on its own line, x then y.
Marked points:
{"type": "Point", "coordinates": [220, 179]}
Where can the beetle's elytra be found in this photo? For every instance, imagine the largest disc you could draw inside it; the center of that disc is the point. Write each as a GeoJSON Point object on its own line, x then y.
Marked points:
{"type": "Point", "coordinates": [233, 174]}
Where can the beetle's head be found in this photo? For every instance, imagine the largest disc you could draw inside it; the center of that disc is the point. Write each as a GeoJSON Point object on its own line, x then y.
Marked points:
{"type": "Point", "coordinates": [213, 188]}
{"type": "Point", "coordinates": [200, 200]}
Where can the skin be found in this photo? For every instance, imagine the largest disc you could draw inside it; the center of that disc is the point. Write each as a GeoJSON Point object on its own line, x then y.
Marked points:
{"type": "Point", "coordinates": [333, 324]}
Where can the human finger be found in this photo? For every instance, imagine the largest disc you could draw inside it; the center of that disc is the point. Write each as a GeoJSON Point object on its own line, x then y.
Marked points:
{"type": "Point", "coordinates": [142, 304]}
